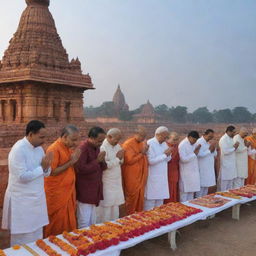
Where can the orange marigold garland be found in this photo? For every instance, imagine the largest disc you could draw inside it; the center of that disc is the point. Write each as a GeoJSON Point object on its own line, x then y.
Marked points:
{"type": "Point", "coordinates": [100, 237]}
{"type": "Point", "coordinates": [46, 248]}
{"type": "Point", "coordinates": [2, 253]}
{"type": "Point", "coordinates": [63, 245]}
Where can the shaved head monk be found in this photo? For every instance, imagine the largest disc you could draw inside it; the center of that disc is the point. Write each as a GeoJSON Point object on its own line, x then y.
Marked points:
{"type": "Point", "coordinates": [252, 159]}
{"type": "Point", "coordinates": [173, 168]}
{"type": "Point", "coordinates": [135, 170]}
{"type": "Point", "coordinates": [60, 186]}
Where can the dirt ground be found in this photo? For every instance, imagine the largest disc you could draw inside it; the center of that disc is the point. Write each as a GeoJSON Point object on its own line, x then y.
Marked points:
{"type": "Point", "coordinates": [221, 236]}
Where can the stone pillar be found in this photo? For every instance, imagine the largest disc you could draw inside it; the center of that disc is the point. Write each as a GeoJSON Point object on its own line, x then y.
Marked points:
{"type": "Point", "coordinates": [19, 110]}
{"type": "Point", "coordinates": [1, 112]}
{"type": "Point", "coordinates": [8, 116]}
{"type": "Point", "coordinates": [29, 108]}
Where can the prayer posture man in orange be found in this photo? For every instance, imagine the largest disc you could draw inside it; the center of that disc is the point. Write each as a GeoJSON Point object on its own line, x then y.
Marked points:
{"type": "Point", "coordinates": [252, 159]}
{"type": "Point", "coordinates": [173, 168]}
{"type": "Point", "coordinates": [60, 186]}
{"type": "Point", "coordinates": [135, 171]}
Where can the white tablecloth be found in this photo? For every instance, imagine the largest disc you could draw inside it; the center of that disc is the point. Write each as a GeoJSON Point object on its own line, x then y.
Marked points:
{"type": "Point", "coordinates": [115, 250]}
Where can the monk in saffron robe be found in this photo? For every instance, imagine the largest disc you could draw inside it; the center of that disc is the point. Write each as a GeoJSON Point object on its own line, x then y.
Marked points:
{"type": "Point", "coordinates": [135, 171]}
{"type": "Point", "coordinates": [173, 168]}
{"type": "Point", "coordinates": [60, 186]}
{"type": "Point", "coordinates": [252, 159]}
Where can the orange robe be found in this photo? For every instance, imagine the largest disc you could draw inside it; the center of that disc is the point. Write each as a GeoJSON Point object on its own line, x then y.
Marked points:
{"type": "Point", "coordinates": [60, 193]}
{"type": "Point", "coordinates": [134, 173]}
{"type": "Point", "coordinates": [251, 163]}
{"type": "Point", "coordinates": [173, 175]}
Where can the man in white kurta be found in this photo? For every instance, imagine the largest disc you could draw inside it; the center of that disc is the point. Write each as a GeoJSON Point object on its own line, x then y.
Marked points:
{"type": "Point", "coordinates": [242, 153]}
{"type": "Point", "coordinates": [206, 157]}
{"type": "Point", "coordinates": [228, 171]}
{"type": "Point", "coordinates": [157, 188]}
{"type": "Point", "coordinates": [189, 170]}
{"type": "Point", "coordinates": [25, 211]}
{"type": "Point", "coordinates": [112, 179]}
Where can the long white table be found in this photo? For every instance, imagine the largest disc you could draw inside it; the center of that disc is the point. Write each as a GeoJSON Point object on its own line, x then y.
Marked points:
{"type": "Point", "coordinates": [170, 229]}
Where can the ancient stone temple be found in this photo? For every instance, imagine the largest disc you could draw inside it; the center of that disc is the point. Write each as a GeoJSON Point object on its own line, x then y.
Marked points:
{"type": "Point", "coordinates": [147, 114]}
{"type": "Point", "coordinates": [119, 101]}
{"type": "Point", "coordinates": [37, 80]}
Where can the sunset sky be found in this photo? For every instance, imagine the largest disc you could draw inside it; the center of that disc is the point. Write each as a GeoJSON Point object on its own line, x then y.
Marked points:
{"type": "Point", "coordinates": [175, 52]}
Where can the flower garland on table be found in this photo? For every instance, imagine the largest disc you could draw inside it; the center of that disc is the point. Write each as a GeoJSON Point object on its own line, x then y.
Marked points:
{"type": "Point", "coordinates": [83, 244]}
{"type": "Point", "coordinates": [63, 245]}
{"type": "Point", "coordinates": [228, 194]}
{"type": "Point", "coordinates": [246, 191]}
{"type": "Point", "coordinates": [100, 237]}
{"type": "Point", "coordinates": [109, 233]}
{"type": "Point", "coordinates": [46, 248]}
{"type": "Point", "coordinates": [2, 253]}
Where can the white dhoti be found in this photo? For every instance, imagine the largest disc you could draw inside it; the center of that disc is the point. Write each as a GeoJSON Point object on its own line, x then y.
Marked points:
{"type": "Point", "coordinates": [86, 215]}
{"type": "Point", "coordinates": [186, 196]}
{"type": "Point", "coordinates": [238, 182]}
{"type": "Point", "coordinates": [26, 238]}
{"type": "Point", "coordinates": [225, 185]}
{"type": "Point", "coordinates": [203, 192]}
{"type": "Point", "coordinates": [150, 204]}
{"type": "Point", "coordinates": [107, 213]}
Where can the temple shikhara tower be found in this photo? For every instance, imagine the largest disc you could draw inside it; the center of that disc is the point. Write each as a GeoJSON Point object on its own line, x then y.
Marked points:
{"type": "Point", "coordinates": [119, 101]}
{"type": "Point", "coordinates": [37, 80]}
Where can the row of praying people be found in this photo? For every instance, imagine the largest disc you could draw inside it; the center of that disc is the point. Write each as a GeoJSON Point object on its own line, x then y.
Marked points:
{"type": "Point", "coordinates": [191, 165]}
{"type": "Point", "coordinates": [76, 184]}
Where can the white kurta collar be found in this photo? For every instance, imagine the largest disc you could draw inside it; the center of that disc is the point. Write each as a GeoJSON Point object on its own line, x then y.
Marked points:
{"type": "Point", "coordinates": [29, 145]}
{"type": "Point", "coordinates": [228, 136]}
{"type": "Point", "coordinates": [204, 140]}
{"type": "Point", "coordinates": [186, 139]}
{"type": "Point", "coordinates": [155, 139]}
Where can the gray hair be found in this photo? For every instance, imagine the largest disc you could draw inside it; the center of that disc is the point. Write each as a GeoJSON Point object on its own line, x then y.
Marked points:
{"type": "Point", "coordinates": [68, 130]}
{"type": "Point", "coordinates": [113, 132]}
{"type": "Point", "coordinates": [161, 129]}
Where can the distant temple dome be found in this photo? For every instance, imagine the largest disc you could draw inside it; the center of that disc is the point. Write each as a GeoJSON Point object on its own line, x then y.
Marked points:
{"type": "Point", "coordinates": [147, 114]}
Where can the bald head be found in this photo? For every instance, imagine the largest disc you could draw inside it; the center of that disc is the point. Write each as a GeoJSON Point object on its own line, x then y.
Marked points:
{"type": "Point", "coordinates": [70, 136]}
{"type": "Point", "coordinates": [140, 133]}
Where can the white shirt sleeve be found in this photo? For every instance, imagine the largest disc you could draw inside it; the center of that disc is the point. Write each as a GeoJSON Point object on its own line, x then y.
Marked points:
{"type": "Point", "coordinates": [154, 159]}
{"type": "Point", "coordinates": [226, 149]}
{"type": "Point", "coordinates": [24, 174]}
{"type": "Point", "coordinates": [204, 153]}
{"type": "Point", "coordinates": [241, 148]}
{"type": "Point", "coordinates": [184, 156]}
